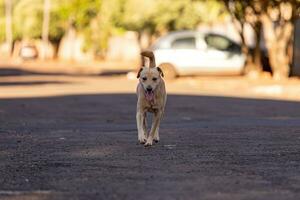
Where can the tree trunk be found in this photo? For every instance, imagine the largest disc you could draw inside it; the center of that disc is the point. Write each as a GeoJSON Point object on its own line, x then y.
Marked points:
{"type": "Point", "coordinates": [45, 31]}
{"type": "Point", "coordinates": [253, 66]}
{"type": "Point", "coordinates": [257, 50]}
{"type": "Point", "coordinates": [253, 58]}
{"type": "Point", "coordinates": [277, 42]}
{"type": "Point", "coordinates": [8, 26]}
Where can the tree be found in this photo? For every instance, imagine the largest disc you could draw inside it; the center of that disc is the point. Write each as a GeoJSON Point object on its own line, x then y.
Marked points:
{"type": "Point", "coordinates": [278, 19]}
{"type": "Point", "coordinates": [245, 12]}
{"type": "Point", "coordinates": [27, 17]}
{"type": "Point", "coordinates": [8, 25]}
{"type": "Point", "coordinates": [105, 24]}
{"type": "Point", "coordinates": [45, 30]}
{"type": "Point", "coordinates": [97, 20]}
{"type": "Point", "coordinates": [156, 17]}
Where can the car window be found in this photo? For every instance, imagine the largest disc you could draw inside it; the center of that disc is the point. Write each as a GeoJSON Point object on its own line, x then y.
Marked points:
{"type": "Point", "coordinates": [218, 42]}
{"type": "Point", "coordinates": [184, 43]}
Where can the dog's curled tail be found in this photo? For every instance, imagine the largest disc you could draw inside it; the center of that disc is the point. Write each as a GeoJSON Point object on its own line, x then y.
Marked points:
{"type": "Point", "coordinates": [150, 55]}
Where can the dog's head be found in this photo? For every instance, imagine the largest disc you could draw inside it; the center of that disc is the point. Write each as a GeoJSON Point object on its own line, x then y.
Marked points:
{"type": "Point", "coordinates": [150, 77]}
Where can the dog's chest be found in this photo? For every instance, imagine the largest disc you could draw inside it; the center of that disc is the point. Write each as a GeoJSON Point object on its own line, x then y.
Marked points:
{"type": "Point", "coordinates": [151, 106]}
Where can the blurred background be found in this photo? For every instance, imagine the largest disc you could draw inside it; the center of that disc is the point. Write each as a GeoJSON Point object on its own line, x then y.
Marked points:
{"type": "Point", "coordinates": [256, 39]}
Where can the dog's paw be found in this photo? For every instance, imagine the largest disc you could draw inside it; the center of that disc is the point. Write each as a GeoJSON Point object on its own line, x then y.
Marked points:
{"type": "Point", "coordinates": [142, 140]}
{"type": "Point", "coordinates": [156, 139]}
{"type": "Point", "coordinates": [148, 143]}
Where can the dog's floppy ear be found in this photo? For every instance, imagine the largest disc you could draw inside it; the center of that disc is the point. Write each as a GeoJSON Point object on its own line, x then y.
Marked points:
{"type": "Point", "coordinates": [160, 71]}
{"type": "Point", "coordinates": [139, 72]}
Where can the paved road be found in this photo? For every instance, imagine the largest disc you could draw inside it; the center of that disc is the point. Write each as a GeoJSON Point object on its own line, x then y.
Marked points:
{"type": "Point", "coordinates": [85, 147]}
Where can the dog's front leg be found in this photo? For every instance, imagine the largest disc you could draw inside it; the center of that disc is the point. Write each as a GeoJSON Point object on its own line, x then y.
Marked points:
{"type": "Point", "coordinates": [154, 128]}
{"type": "Point", "coordinates": [139, 121]}
{"type": "Point", "coordinates": [145, 125]}
{"type": "Point", "coordinates": [156, 135]}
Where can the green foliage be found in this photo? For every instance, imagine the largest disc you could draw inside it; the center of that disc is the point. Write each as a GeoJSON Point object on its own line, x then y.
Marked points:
{"type": "Point", "coordinates": [27, 18]}
{"type": "Point", "coordinates": [105, 23]}
{"type": "Point", "coordinates": [75, 13]}
{"type": "Point", "coordinates": [167, 15]}
{"type": "Point", "coordinates": [138, 15]}
{"type": "Point", "coordinates": [2, 21]}
{"type": "Point", "coordinates": [99, 19]}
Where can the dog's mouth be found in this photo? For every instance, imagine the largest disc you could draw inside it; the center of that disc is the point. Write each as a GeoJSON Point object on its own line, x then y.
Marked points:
{"type": "Point", "coordinates": [149, 95]}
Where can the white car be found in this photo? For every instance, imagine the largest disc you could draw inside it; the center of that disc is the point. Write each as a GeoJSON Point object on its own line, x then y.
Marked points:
{"type": "Point", "coordinates": [192, 53]}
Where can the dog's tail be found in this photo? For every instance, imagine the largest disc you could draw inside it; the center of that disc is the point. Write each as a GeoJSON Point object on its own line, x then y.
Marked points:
{"type": "Point", "coordinates": [150, 55]}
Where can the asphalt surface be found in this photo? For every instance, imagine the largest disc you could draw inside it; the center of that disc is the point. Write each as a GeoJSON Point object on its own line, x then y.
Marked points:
{"type": "Point", "coordinates": [85, 147]}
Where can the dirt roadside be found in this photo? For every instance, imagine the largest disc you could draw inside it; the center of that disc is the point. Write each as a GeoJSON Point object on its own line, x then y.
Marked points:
{"type": "Point", "coordinates": [41, 79]}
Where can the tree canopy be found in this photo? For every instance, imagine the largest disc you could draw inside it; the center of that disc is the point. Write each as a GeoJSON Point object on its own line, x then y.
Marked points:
{"type": "Point", "coordinates": [98, 19]}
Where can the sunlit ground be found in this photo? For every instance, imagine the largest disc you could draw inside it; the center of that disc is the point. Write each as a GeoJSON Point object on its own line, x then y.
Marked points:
{"type": "Point", "coordinates": [19, 82]}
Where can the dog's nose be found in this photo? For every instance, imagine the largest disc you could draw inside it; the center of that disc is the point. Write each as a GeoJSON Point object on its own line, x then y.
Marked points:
{"type": "Point", "coordinates": [149, 89]}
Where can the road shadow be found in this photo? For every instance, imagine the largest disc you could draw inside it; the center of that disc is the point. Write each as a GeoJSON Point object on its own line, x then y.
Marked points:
{"type": "Point", "coordinates": [4, 72]}
{"type": "Point", "coordinates": [84, 147]}
{"type": "Point", "coordinates": [114, 72]}
{"type": "Point", "coordinates": [29, 83]}
{"type": "Point", "coordinates": [21, 72]}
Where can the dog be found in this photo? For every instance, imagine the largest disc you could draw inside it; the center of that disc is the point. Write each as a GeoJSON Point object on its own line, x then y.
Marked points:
{"type": "Point", "coordinates": [152, 97]}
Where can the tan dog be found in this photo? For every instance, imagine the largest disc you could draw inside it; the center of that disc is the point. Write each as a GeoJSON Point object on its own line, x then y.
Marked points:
{"type": "Point", "coordinates": [152, 97]}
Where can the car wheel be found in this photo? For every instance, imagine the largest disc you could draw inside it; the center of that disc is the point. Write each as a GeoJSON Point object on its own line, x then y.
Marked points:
{"type": "Point", "coordinates": [169, 71]}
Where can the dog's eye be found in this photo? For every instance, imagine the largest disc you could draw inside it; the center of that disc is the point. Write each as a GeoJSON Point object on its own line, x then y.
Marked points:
{"type": "Point", "coordinates": [144, 78]}
{"type": "Point", "coordinates": [154, 79]}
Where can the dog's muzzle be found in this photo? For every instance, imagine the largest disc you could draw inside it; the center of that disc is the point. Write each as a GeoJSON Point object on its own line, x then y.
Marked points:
{"type": "Point", "coordinates": [149, 94]}
{"type": "Point", "coordinates": [149, 89]}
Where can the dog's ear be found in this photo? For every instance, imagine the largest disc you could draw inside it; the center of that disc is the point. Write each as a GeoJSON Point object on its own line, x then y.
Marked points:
{"type": "Point", "coordinates": [160, 71]}
{"type": "Point", "coordinates": [139, 72]}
